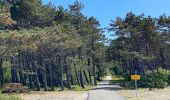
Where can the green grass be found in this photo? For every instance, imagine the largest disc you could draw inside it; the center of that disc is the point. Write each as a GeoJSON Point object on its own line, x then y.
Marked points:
{"type": "Point", "coordinates": [8, 97]}
{"type": "Point", "coordinates": [76, 88]}
{"type": "Point", "coordinates": [79, 88]}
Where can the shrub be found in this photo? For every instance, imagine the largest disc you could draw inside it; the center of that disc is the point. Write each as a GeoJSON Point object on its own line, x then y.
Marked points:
{"type": "Point", "coordinates": [128, 84]}
{"type": "Point", "coordinates": [155, 79]}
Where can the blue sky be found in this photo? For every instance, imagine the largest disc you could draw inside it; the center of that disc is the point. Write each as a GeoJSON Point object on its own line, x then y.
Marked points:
{"type": "Point", "coordinates": [107, 10]}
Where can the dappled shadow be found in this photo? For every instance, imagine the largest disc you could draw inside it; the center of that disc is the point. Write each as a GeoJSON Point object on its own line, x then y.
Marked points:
{"type": "Point", "coordinates": [108, 88]}
{"type": "Point", "coordinates": [117, 81]}
{"type": "Point", "coordinates": [111, 85]}
{"type": "Point", "coordinates": [105, 84]}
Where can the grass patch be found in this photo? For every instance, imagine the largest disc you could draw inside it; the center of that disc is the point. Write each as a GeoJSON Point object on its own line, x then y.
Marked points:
{"type": "Point", "coordinates": [8, 97]}
{"type": "Point", "coordinates": [79, 88]}
{"type": "Point", "coordinates": [76, 88]}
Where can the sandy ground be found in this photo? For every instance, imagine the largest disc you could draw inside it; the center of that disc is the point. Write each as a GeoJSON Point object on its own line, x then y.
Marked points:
{"type": "Point", "coordinates": [145, 94]}
{"type": "Point", "coordinates": [65, 95]}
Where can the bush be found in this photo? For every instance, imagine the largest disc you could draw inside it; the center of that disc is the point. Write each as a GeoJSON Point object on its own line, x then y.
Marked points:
{"type": "Point", "coordinates": [128, 84]}
{"type": "Point", "coordinates": [155, 79]}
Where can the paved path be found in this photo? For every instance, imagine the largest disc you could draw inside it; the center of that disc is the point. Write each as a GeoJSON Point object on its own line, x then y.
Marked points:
{"type": "Point", "coordinates": [105, 91]}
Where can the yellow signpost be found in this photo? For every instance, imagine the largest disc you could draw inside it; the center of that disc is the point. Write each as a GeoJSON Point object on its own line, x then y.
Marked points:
{"type": "Point", "coordinates": [135, 78]}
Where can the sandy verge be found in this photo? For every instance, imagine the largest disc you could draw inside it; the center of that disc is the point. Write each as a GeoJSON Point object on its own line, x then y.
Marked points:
{"type": "Point", "coordinates": [145, 94]}
{"type": "Point", "coordinates": [64, 95]}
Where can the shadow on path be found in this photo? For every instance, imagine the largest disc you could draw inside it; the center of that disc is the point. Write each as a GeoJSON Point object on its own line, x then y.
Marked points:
{"type": "Point", "coordinates": [105, 91]}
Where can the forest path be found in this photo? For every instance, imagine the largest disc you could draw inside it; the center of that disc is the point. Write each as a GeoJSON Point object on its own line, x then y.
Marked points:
{"type": "Point", "coordinates": [105, 91]}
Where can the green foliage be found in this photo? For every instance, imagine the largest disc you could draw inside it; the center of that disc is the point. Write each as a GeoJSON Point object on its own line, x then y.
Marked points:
{"type": "Point", "coordinates": [7, 71]}
{"type": "Point", "coordinates": [155, 79]}
{"type": "Point", "coordinates": [115, 68]}
{"type": "Point", "coordinates": [141, 44]}
{"type": "Point", "coordinates": [32, 13]}
{"type": "Point", "coordinates": [5, 19]}
{"type": "Point", "coordinates": [9, 97]}
{"type": "Point", "coordinates": [55, 45]}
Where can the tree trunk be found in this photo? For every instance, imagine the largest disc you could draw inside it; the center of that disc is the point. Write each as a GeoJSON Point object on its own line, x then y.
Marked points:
{"type": "Point", "coordinates": [68, 75]}
{"type": "Point", "coordinates": [24, 68]}
{"type": "Point", "coordinates": [35, 77]}
{"type": "Point", "coordinates": [81, 79]}
{"type": "Point", "coordinates": [1, 74]}
{"type": "Point", "coordinates": [90, 75]}
{"type": "Point", "coordinates": [36, 81]}
{"type": "Point", "coordinates": [94, 70]}
{"type": "Point", "coordinates": [50, 77]}
{"type": "Point", "coordinates": [20, 68]}
{"type": "Point", "coordinates": [72, 81]}
{"type": "Point", "coordinates": [14, 75]}
{"type": "Point", "coordinates": [30, 75]}
{"type": "Point", "coordinates": [20, 76]}
{"type": "Point", "coordinates": [82, 67]}
{"type": "Point", "coordinates": [77, 76]}
{"type": "Point", "coordinates": [93, 63]}
{"type": "Point", "coordinates": [61, 72]}
{"type": "Point", "coordinates": [85, 75]}
{"type": "Point", "coordinates": [44, 77]}
{"type": "Point", "coordinates": [30, 80]}
{"type": "Point", "coordinates": [99, 73]}
{"type": "Point", "coordinates": [163, 63]}
{"type": "Point", "coordinates": [94, 73]}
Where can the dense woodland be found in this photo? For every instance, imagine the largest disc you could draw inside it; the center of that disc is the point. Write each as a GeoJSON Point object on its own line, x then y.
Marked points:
{"type": "Point", "coordinates": [142, 43]}
{"type": "Point", "coordinates": [47, 46]}
{"type": "Point", "coordinates": [142, 47]}
{"type": "Point", "coordinates": [44, 46]}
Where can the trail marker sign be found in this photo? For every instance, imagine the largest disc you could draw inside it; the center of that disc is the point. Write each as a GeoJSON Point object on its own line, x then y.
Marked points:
{"type": "Point", "coordinates": [135, 77]}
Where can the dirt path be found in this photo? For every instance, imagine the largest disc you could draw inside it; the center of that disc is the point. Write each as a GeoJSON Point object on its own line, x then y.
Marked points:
{"type": "Point", "coordinates": [105, 91]}
{"type": "Point", "coordinates": [65, 95]}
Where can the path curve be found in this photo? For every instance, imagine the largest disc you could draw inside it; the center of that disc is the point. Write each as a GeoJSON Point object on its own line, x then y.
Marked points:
{"type": "Point", "coordinates": [105, 91]}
